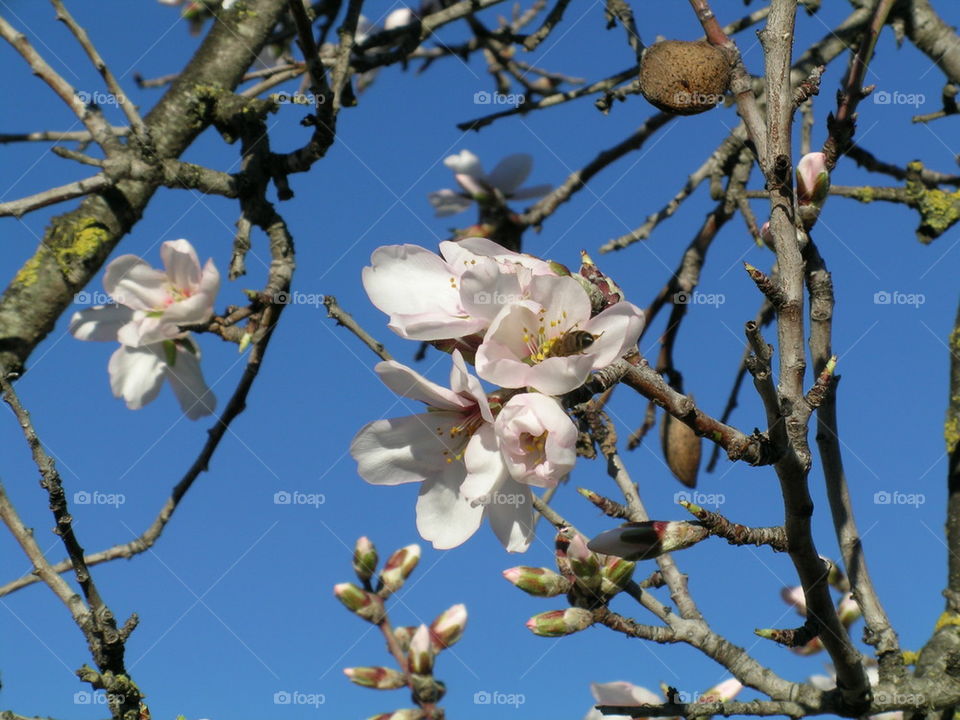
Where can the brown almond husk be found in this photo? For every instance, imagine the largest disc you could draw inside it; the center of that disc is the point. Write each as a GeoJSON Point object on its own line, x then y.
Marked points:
{"type": "Point", "coordinates": [681, 449]}
{"type": "Point", "coordinates": [684, 77]}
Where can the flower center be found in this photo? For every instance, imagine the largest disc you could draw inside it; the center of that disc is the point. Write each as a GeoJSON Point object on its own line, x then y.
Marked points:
{"type": "Point", "coordinates": [459, 434]}
{"type": "Point", "coordinates": [535, 447]}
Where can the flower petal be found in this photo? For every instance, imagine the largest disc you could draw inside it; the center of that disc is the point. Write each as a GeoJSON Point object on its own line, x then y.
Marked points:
{"type": "Point", "coordinates": [406, 449]}
{"type": "Point", "coordinates": [447, 202]}
{"type": "Point", "coordinates": [510, 172]}
{"type": "Point", "coordinates": [511, 515]}
{"type": "Point", "coordinates": [617, 330]}
{"type": "Point", "coordinates": [186, 379]}
{"type": "Point", "coordinates": [484, 464]}
{"type": "Point", "coordinates": [409, 383]}
{"type": "Point", "coordinates": [101, 322]}
{"type": "Point", "coordinates": [181, 262]}
{"type": "Point", "coordinates": [136, 375]}
{"type": "Point", "coordinates": [465, 162]}
{"type": "Point", "coordinates": [466, 386]}
{"type": "Point", "coordinates": [528, 193]}
{"type": "Point", "coordinates": [444, 516]}
{"type": "Point", "coordinates": [132, 282]}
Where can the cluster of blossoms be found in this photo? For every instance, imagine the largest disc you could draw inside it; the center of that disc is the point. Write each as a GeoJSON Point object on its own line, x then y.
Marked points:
{"type": "Point", "coordinates": [150, 306]}
{"type": "Point", "coordinates": [527, 326]}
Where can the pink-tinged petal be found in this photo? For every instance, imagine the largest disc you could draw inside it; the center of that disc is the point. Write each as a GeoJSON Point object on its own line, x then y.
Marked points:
{"type": "Point", "coordinates": [484, 464]}
{"type": "Point", "coordinates": [485, 289]}
{"type": "Point", "coordinates": [434, 326]}
{"type": "Point", "coordinates": [459, 253]}
{"type": "Point", "coordinates": [195, 398]}
{"type": "Point", "coordinates": [193, 310]}
{"type": "Point", "coordinates": [406, 449]}
{"type": "Point", "coordinates": [617, 330]}
{"type": "Point", "coordinates": [567, 303]}
{"type": "Point", "coordinates": [465, 162]}
{"type": "Point", "coordinates": [496, 364]}
{"type": "Point", "coordinates": [528, 193]}
{"type": "Point", "coordinates": [510, 172]}
{"type": "Point", "coordinates": [559, 375]}
{"type": "Point", "coordinates": [136, 375]}
{"type": "Point", "coordinates": [466, 385]}
{"type": "Point", "coordinates": [511, 515]}
{"type": "Point", "coordinates": [132, 282]}
{"type": "Point", "coordinates": [409, 383]}
{"type": "Point", "coordinates": [182, 264]}
{"type": "Point", "coordinates": [444, 516]}
{"type": "Point", "coordinates": [147, 330]}
{"type": "Point", "coordinates": [471, 186]}
{"type": "Point", "coordinates": [398, 270]}
{"type": "Point", "coordinates": [101, 323]}
{"type": "Point", "coordinates": [623, 693]}
{"type": "Point", "coordinates": [447, 202]}
{"type": "Point", "coordinates": [210, 281]}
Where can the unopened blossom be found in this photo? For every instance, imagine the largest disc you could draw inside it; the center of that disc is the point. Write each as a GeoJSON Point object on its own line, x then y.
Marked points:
{"type": "Point", "coordinates": [452, 295]}
{"type": "Point", "coordinates": [550, 343]}
{"type": "Point", "coordinates": [795, 596]}
{"type": "Point", "coordinates": [813, 185]}
{"type": "Point", "coordinates": [476, 185]}
{"type": "Point", "coordinates": [448, 627]}
{"type": "Point", "coordinates": [722, 692]}
{"type": "Point", "coordinates": [537, 439]}
{"type": "Point", "coordinates": [620, 693]}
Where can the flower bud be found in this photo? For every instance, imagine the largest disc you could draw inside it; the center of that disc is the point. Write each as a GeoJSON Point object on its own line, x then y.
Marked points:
{"type": "Point", "coordinates": [848, 610]}
{"type": "Point", "coordinates": [365, 604]}
{"type": "Point", "coordinates": [616, 573]}
{"type": "Point", "coordinates": [364, 559]}
{"type": "Point", "coordinates": [795, 596]}
{"type": "Point", "coordinates": [650, 539]}
{"type": "Point", "coordinates": [813, 184]}
{"type": "Point", "coordinates": [448, 627]}
{"type": "Point", "coordinates": [404, 634]}
{"type": "Point", "coordinates": [540, 582]}
{"type": "Point", "coordinates": [585, 565]}
{"type": "Point", "coordinates": [398, 569]}
{"type": "Point", "coordinates": [556, 623]}
{"type": "Point", "coordinates": [421, 652]}
{"type": "Point", "coordinates": [835, 575]}
{"type": "Point", "coordinates": [723, 692]}
{"type": "Point", "coordinates": [426, 689]}
{"type": "Point", "coordinates": [378, 678]}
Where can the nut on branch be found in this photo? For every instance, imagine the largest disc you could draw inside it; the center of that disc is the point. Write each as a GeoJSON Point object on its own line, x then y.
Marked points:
{"type": "Point", "coordinates": [684, 77]}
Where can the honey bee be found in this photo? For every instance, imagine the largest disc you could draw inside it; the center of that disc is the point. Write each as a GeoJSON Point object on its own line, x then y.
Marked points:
{"type": "Point", "coordinates": [572, 342]}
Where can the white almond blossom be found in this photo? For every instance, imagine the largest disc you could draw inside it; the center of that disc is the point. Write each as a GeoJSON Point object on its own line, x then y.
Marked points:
{"type": "Point", "coordinates": [505, 179]}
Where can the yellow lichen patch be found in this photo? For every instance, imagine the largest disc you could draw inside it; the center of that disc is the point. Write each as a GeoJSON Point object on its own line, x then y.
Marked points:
{"type": "Point", "coordinates": [947, 619]}
{"type": "Point", "coordinates": [951, 432]}
{"type": "Point", "coordinates": [88, 237]}
{"type": "Point", "coordinates": [28, 274]}
{"type": "Point", "coordinates": [910, 657]}
{"type": "Point", "coordinates": [939, 210]}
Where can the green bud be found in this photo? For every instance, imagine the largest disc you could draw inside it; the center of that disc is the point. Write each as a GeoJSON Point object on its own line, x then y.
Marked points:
{"type": "Point", "coordinates": [398, 569]}
{"type": "Point", "coordinates": [426, 689]}
{"type": "Point", "coordinates": [448, 627]}
{"type": "Point", "coordinates": [403, 635]}
{"type": "Point", "coordinates": [540, 582]}
{"type": "Point", "coordinates": [557, 623]}
{"type": "Point", "coordinates": [378, 678]}
{"type": "Point", "coordinates": [616, 573]}
{"type": "Point", "coordinates": [365, 604]}
{"type": "Point", "coordinates": [364, 559]}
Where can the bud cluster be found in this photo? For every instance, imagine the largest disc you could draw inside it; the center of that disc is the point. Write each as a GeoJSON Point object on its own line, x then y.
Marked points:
{"type": "Point", "coordinates": [415, 648]}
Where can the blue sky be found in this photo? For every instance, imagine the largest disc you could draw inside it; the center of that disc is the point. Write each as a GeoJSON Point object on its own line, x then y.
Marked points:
{"type": "Point", "coordinates": [236, 599]}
